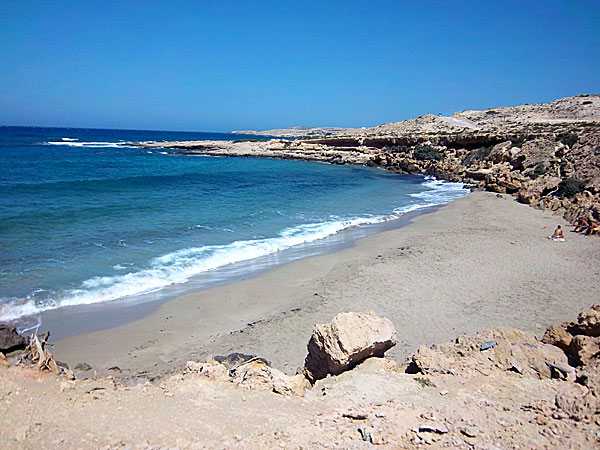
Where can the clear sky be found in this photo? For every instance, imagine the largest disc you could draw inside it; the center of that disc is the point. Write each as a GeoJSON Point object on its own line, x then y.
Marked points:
{"type": "Point", "coordinates": [219, 65]}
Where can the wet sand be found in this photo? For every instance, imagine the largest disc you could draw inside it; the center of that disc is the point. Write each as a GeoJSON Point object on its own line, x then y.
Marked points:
{"type": "Point", "coordinates": [474, 264]}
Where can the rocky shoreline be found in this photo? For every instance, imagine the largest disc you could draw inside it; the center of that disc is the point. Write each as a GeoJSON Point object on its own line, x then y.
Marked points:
{"type": "Point", "coordinates": [547, 156]}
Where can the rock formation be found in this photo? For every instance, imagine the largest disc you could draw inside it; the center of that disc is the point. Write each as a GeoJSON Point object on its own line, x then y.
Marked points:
{"type": "Point", "coordinates": [347, 340]}
{"type": "Point", "coordinates": [579, 340]}
{"type": "Point", "coordinates": [253, 373]}
{"type": "Point", "coordinates": [498, 350]}
{"type": "Point", "coordinates": [10, 340]}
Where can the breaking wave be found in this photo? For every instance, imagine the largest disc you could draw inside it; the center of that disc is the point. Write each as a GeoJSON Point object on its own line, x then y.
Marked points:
{"type": "Point", "coordinates": [74, 143]}
{"type": "Point", "coordinates": [180, 266]}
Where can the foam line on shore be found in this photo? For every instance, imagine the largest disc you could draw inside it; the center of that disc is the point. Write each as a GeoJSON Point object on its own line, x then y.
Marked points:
{"type": "Point", "coordinates": [180, 266]}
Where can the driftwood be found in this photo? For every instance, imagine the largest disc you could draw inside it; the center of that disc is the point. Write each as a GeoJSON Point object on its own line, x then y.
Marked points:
{"type": "Point", "coordinates": [36, 354]}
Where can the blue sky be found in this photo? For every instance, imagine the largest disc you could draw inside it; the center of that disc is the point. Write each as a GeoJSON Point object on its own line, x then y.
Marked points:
{"type": "Point", "coordinates": [219, 66]}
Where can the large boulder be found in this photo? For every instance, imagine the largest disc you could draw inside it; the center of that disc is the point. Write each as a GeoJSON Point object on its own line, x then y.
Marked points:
{"type": "Point", "coordinates": [347, 340]}
{"type": "Point", "coordinates": [579, 340]}
{"type": "Point", "coordinates": [559, 336]}
{"type": "Point", "coordinates": [10, 340]}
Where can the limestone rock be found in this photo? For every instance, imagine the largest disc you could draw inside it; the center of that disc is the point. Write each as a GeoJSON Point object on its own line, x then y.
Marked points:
{"type": "Point", "coordinates": [589, 376]}
{"type": "Point", "coordinates": [585, 349]}
{"type": "Point", "coordinates": [10, 340]}
{"type": "Point", "coordinates": [347, 340]}
{"type": "Point", "coordinates": [558, 336]}
{"type": "Point", "coordinates": [588, 321]}
{"type": "Point", "coordinates": [507, 349]}
{"type": "Point", "coordinates": [236, 359]}
{"type": "Point", "coordinates": [501, 152]}
{"type": "Point", "coordinates": [256, 374]}
{"type": "Point", "coordinates": [578, 403]}
{"type": "Point", "coordinates": [253, 373]}
{"type": "Point", "coordinates": [213, 370]}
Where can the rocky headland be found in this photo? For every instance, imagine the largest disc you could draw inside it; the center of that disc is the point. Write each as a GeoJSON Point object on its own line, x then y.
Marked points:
{"type": "Point", "coordinates": [546, 155]}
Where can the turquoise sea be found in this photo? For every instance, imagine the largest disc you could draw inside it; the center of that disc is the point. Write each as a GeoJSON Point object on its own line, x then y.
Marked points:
{"type": "Point", "coordinates": [85, 219]}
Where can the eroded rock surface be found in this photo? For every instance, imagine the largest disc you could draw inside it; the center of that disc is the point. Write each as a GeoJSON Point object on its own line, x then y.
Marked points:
{"type": "Point", "coordinates": [498, 350]}
{"type": "Point", "coordinates": [347, 340]}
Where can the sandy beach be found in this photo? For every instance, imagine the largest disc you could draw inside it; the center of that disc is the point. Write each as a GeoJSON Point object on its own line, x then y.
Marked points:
{"type": "Point", "coordinates": [479, 262]}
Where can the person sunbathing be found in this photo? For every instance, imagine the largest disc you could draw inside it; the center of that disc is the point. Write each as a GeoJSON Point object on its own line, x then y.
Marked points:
{"type": "Point", "coordinates": [558, 234]}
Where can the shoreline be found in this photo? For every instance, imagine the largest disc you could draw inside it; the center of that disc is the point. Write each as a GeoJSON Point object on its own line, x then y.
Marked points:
{"type": "Point", "coordinates": [471, 265]}
{"type": "Point", "coordinates": [75, 320]}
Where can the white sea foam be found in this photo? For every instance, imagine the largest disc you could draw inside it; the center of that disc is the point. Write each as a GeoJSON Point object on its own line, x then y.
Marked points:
{"type": "Point", "coordinates": [180, 266]}
{"type": "Point", "coordinates": [89, 144]}
{"type": "Point", "coordinates": [69, 139]}
{"type": "Point", "coordinates": [440, 191]}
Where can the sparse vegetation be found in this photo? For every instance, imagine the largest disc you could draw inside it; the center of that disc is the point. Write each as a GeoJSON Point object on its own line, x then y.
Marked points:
{"type": "Point", "coordinates": [477, 155]}
{"type": "Point", "coordinates": [425, 382]}
{"type": "Point", "coordinates": [426, 152]}
{"type": "Point", "coordinates": [587, 102]}
{"type": "Point", "coordinates": [539, 170]}
{"type": "Point", "coordinates": [570, 187]}
{"type": "Point", "coordinates": [518, 140]}
{"type": "Point", "coordinates": [569, 139]}
{"type": "Point", "coordinates": [491, 111]}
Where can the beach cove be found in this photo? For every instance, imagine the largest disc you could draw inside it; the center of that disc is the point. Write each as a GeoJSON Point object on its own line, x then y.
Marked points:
{"type": "Point", "coordinates": [478, 262]}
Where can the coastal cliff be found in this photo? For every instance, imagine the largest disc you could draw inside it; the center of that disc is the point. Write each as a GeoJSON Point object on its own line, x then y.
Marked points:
{"type": "Point", "coordinates": [546, 155]}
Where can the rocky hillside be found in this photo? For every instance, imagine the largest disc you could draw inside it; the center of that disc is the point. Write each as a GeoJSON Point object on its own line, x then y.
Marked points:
{"type": "Point", "coordinates": [556, 168]}
{"type": "Point", "coordinates": [579, 109]}
{"type": "Point", "coordinates": [546, 155]}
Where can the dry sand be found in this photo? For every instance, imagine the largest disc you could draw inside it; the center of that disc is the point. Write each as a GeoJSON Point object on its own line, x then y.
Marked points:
{"type": "Point", "coordinates": [474, 264]}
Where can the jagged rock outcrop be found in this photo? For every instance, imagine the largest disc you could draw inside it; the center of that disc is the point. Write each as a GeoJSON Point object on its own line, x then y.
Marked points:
{"type": "Point", "coordinates": [258, 375]}
{"type": "Point", "coordinates": [498, 350]}
{"type": "Point", "coordinates": [579, 340]}
{"type": "Point", "coordinates": [10, 340]}
{"type": "Point", "coordinates": [347, 340]}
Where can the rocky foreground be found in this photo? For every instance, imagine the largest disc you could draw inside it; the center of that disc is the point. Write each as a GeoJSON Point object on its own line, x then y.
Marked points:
{"type": "Point", "coordinates": [497, 389]}
{"type": "Point", "coordinates": [546, 155]}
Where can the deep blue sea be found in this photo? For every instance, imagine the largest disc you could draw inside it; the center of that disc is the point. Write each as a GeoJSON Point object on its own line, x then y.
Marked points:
{"type": "Point", "coordinates": [84, 219]}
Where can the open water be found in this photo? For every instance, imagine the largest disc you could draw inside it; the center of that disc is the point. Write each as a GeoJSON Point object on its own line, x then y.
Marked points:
{"type": "Point", "coordinates": [85, 220]}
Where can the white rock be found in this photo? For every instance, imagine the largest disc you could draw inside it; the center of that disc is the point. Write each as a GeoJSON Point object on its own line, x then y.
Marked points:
{"type": "Point", "coordinates": [347, 340]}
